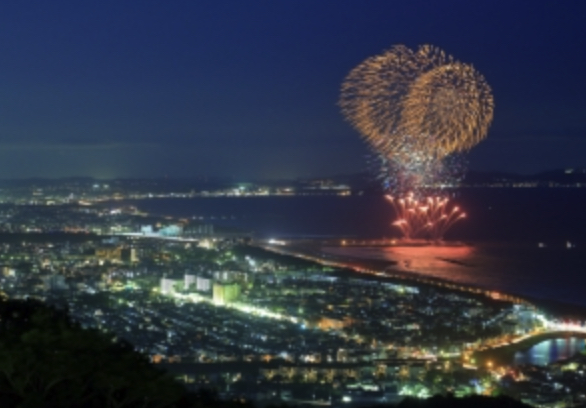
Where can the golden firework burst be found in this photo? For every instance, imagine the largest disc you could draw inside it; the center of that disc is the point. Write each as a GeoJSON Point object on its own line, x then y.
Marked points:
{"type": "Point", "coordinates": [417, 101]}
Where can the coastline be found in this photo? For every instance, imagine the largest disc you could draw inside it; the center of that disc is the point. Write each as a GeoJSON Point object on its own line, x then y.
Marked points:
{"type": "Point", "coordinates": [502, 355]}
{"type": "Point", "coordinates": [388, 270]}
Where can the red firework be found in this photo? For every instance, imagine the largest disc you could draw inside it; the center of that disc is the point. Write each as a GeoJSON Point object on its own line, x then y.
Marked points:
{"type": "Point", "coordinates": [428, 217]}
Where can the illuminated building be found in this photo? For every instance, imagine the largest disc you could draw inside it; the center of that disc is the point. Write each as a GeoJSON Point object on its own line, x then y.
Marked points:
{"type": "Point", "coordinates": [171, 231]}
{"type": "Point", "coordinates": [222, 276]}
{"type": "Point", "coordinates": [203, 284]}
{"type": "Point", "coordinates": [8, 271]}
{"type": "Point", "coordinates": [226, 292]}
{"type": "Point", "coordinates": [168, 286]}
{"type": "Point", "coordinates": [189, 280]}
{"type": "Point", "coordinates": [225, 276]}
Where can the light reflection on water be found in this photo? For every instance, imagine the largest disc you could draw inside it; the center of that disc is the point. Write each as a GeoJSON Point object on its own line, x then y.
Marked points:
{"type": "Point", "coordinates": [549, 351]}
{"type": "Point", "coordinates": [549, 273]}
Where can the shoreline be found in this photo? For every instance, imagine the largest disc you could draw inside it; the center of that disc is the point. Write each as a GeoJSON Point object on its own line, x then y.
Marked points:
{"type": "Point", "coordinates": [380, 269]}
{"type": "Point", "coordinates": [502, 355]}
{"type": "Point", "coordinates": [506, 353]}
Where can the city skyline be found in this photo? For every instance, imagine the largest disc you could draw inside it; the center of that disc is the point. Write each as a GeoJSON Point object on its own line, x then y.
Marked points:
{"type": "Point", "coordinates": [250, 90]}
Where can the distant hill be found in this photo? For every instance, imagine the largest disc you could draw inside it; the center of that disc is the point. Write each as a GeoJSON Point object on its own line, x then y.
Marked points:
{"type": "Point", "coordinates": [362, 183]}
{"type": "Point", "coordinates": [366, 183]}
{"type": "Point", "coordinates": [561, 177]}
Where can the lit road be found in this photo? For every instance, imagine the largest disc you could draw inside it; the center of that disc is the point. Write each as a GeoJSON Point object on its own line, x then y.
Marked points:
{"type": "Point", "coordinates": [255, 311]}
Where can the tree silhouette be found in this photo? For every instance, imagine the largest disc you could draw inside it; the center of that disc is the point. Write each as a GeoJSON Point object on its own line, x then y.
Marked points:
{"type": "Point", "coordinates": [473, 401]}
{"type": "Point", "coordinates": [46, 360]}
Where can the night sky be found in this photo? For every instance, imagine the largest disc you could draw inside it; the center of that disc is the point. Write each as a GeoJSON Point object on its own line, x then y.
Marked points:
{"type": "Point", "coordinates": [249, 88]}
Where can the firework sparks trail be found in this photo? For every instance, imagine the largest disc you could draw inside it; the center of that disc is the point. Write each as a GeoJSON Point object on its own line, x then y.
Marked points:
{"type": "Point", "coordinates": [430, 217]}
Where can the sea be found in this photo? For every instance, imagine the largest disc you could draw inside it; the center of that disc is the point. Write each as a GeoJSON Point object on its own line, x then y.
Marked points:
{"type": "Point", "coordinates": [525, 241]}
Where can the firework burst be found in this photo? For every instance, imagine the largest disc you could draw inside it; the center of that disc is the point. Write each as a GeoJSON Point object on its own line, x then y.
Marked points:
{"type": "Point", "coordinates": [448, 109]}
{"type": "Point", "coordinates": [429, 217]}
{"type": "Point", "coordinates": [419, 110]}
{"type": "Point", "coordinates": [404, 101]}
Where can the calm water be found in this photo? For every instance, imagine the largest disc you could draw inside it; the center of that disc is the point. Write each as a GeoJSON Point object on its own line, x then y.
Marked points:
{"type": "Point", "coordinates": [554, 273]}
{"type": "Point", "coordinates": [550, 351]}
{"type": "Point", "coordinates": [503, 229]}
{"type": "Point", "coordinates": [533, 215]}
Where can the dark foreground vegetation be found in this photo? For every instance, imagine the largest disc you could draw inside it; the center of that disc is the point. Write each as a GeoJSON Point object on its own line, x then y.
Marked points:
{"type": "Point", "coordinates": [474, 401]}
{"type": "Point", "coordinates": [46, 360]}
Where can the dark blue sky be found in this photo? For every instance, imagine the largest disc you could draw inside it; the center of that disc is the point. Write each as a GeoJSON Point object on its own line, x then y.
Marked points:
{"type": "Point", "coordinates": [249, 88]}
